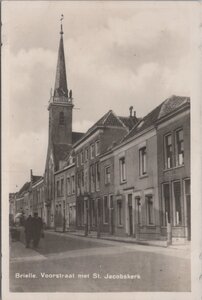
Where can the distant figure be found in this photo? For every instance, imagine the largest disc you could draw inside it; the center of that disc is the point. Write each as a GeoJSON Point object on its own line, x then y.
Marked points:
{"type": "Point", "coordinates": [37, 226]}
{"type": "Point", "coordinates": [28, 231]}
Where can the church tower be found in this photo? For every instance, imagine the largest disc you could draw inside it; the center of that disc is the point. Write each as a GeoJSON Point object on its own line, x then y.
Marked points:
{"type": "Point", "coordinates": [60, 137]}
{"type": "Point", "coordinates": [60, 104]}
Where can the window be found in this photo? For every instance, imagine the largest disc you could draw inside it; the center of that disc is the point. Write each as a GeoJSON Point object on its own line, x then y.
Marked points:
{"type": "Point", "coordinates": [105, 210]}
{"type": "Point", "coordinates": [61, 118]}
{"type": "Point", "coordinates": [97, 148]}
{"type": "Point", "coordinates": [92, 151]}
{"type": "Point", "coordinates": [68, 186]}
{"type": "Point", "coordinates": [97, 177]}
{"type": "Point", "coordinates": [166, 204]}
{"type": "Point", "coordinates": [73, 184]}
{"type": "Point", "coordinates": [119, 212]}
{"type": "Point", "coordinates": [58, 188]}
{"type": "Point", "coordinates": [122, 169]}
{"type": "Point", "coordinates": [82, 157]}
{"type": "Point", "coordinates": [92, 178]}
{"type": "Point", "coordinates": [179, 147]}
{"type": "Point", "coordinates": [107, 175]}
{"type": "Point", "coordinates": [77, 160]}
{"type": "Point", "coordinates": [138, 209]}
{"type": "Point", "coordinates": [177, 202]}
{"type": "Point", "coordinates": [142, 161]}
{"type": "Point", "coordinates": [93, 213]}
{"type": "Point", "coordinates": [78, 183]}
{"type": "Point", "coordinates": [62, 187]}
{"type": "Point", "coordinates": [86, 154]}
{"type": "Point", "coordinates": [150, 210]}
{"type": "Point", "coordinates": [111, 204]}
{"type": "Point", "coordinates": [168, 151]}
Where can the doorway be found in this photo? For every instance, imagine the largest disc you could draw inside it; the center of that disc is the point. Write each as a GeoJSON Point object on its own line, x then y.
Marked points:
{"type": "Point", "coordinates": [188, 206]}
{"type": "Point", "coordinates": [130, 215]}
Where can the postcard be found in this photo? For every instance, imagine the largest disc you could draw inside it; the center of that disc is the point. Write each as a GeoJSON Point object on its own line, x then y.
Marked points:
{"type": "Point", "coordinates": [101, 151]}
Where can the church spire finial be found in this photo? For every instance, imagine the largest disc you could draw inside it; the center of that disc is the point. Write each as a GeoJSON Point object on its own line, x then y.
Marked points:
{"type": "Point", "coordinates": [61, 31]}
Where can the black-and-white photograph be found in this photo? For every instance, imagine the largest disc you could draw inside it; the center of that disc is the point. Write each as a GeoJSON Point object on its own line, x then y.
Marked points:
{"type": "Point", "coordinates": [98, 109]}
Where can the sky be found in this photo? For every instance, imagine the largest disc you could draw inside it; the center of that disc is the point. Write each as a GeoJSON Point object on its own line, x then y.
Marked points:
{"type": "Point", "coordinates": [117, 53]}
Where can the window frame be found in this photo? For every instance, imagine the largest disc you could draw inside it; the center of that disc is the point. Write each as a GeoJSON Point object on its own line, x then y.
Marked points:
{"type": "Point", "coordinates": [166, 152]}
{"type": "Point", "coordinates": [176, 147]}
{"type": "Point", "coordinates": [122, 169]}
{"type": "Point", "coordinates": [105, 209]}
{"type": "Point", "coordinates": [97, 148]}
{"type": "Point", "coordinates": [149, 199]}
{"type": "Point", "coordinates": [143, 161]}
{"type": "Point", "coordinates": [107, 179]}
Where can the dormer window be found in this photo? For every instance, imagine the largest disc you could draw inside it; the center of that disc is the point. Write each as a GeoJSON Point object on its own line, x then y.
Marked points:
{"type": "Point", "coordinates": [61, 118]}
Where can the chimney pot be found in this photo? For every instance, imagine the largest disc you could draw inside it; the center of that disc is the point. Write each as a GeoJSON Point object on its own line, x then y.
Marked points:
{"type": "Point", "coordinates": [131, 110]}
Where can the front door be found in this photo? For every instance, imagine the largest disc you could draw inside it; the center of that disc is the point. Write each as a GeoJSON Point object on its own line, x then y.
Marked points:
{"type": "Point", "coordinates": [188, 206]}
{"type": "Point", "coordinates": [130, 214]}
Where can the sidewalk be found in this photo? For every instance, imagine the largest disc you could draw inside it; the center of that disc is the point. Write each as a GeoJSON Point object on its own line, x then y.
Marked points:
{"type": "Point", "coordinates": [19, 252]}
{"type": "Point", "coordinates": [107, 236]}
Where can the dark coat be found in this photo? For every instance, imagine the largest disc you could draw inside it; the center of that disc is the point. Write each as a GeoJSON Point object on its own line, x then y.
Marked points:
{"type": "Point", "coordinates": [28, 226]}
{"type": "Point", "coordinates": [37, 226]}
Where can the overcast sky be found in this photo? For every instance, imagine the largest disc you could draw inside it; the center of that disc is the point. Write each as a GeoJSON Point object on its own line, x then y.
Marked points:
{"type": "Point", "coordinates": [118, 54]}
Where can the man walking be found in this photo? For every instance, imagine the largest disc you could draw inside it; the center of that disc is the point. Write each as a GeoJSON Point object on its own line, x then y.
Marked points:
{"type": "Point", "coordinates": [28, 231]}
{"type": "Point", "coordinates": [37, 226]}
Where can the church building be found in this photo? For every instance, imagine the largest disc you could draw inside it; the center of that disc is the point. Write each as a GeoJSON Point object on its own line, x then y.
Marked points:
{"type": "Point", "coordinates": [60, 137]}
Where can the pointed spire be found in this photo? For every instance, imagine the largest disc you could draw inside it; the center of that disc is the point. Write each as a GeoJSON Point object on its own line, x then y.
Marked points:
{"type": "Point", "coordinates": [60, 79]}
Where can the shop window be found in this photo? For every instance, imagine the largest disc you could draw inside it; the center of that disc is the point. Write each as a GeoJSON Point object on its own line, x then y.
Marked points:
{"type": "Point", "coordinates": [166, 204]}
{"type": "Point", "coordinates": [119, 212]}
{"type": "Point", "coordinates": [105, 210]}
{"type": "Point", "coordinates": [177, 203]}
{"type": "Point", "coordinates": [150, 210]}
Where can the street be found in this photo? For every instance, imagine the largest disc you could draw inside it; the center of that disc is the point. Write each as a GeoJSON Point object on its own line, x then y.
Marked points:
{"type": "Point", "coordinates": [67, 263]}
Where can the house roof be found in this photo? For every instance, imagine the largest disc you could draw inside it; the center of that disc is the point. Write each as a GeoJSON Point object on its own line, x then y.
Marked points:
{"type": "Point", "coordinates": [165, 108]}
{"type": "Point", "coordinates": [109, 119]}
{"type": "Point", "coordinates": [129, 122]}
{"type": "Point", "coordinates": [24, 189]}
{"type": "Point", "coordinates": [36, 178]}
{"type": "Point", "coordinates": [60, 152]}
{"type": "Point", "coordinates": [76, 136]}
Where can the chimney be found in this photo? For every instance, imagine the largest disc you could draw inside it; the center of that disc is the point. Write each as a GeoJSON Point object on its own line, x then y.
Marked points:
{"type": "Point", "coordinates": [134, 114]}
{"type": "Point", "coordinates": [31, 176]}
{"type": "Point", "coordinates": [131, 110]}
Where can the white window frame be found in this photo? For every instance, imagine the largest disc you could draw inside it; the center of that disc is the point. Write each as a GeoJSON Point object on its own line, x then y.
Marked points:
{"type": "Point", "coordinates": [122, 169]}
{"type": "Point", "coordinates": [166, 164]}
{"type": "Point", "coordinates": [92, 150]}
{"type": "Point", "coordinates": [176, 147]}
{"type": "Point", "coordinates": [97, 147]}
{"type": "Point", "coordinates": [105, 197]}
{"type": "Point", "coordinates": [150, 198]}
{"type": "Point", "coordinates": [108, 180]}
{"type": "Point", "coordinates": [143, 161]}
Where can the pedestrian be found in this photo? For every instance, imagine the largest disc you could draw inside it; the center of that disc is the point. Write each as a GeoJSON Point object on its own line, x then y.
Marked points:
{"type": "Point", "coordinates": [37, 228]}
{"type": "Point", "coordinates": [28, 231]}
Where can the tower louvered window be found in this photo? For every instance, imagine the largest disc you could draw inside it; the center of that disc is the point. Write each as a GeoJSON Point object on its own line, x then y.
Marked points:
{"type": "Point", "coordinates": [61, 118]}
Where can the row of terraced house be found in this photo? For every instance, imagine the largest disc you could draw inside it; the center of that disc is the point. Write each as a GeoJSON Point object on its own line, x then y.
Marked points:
{"type": "Point", "coordinates": [126, 176]}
